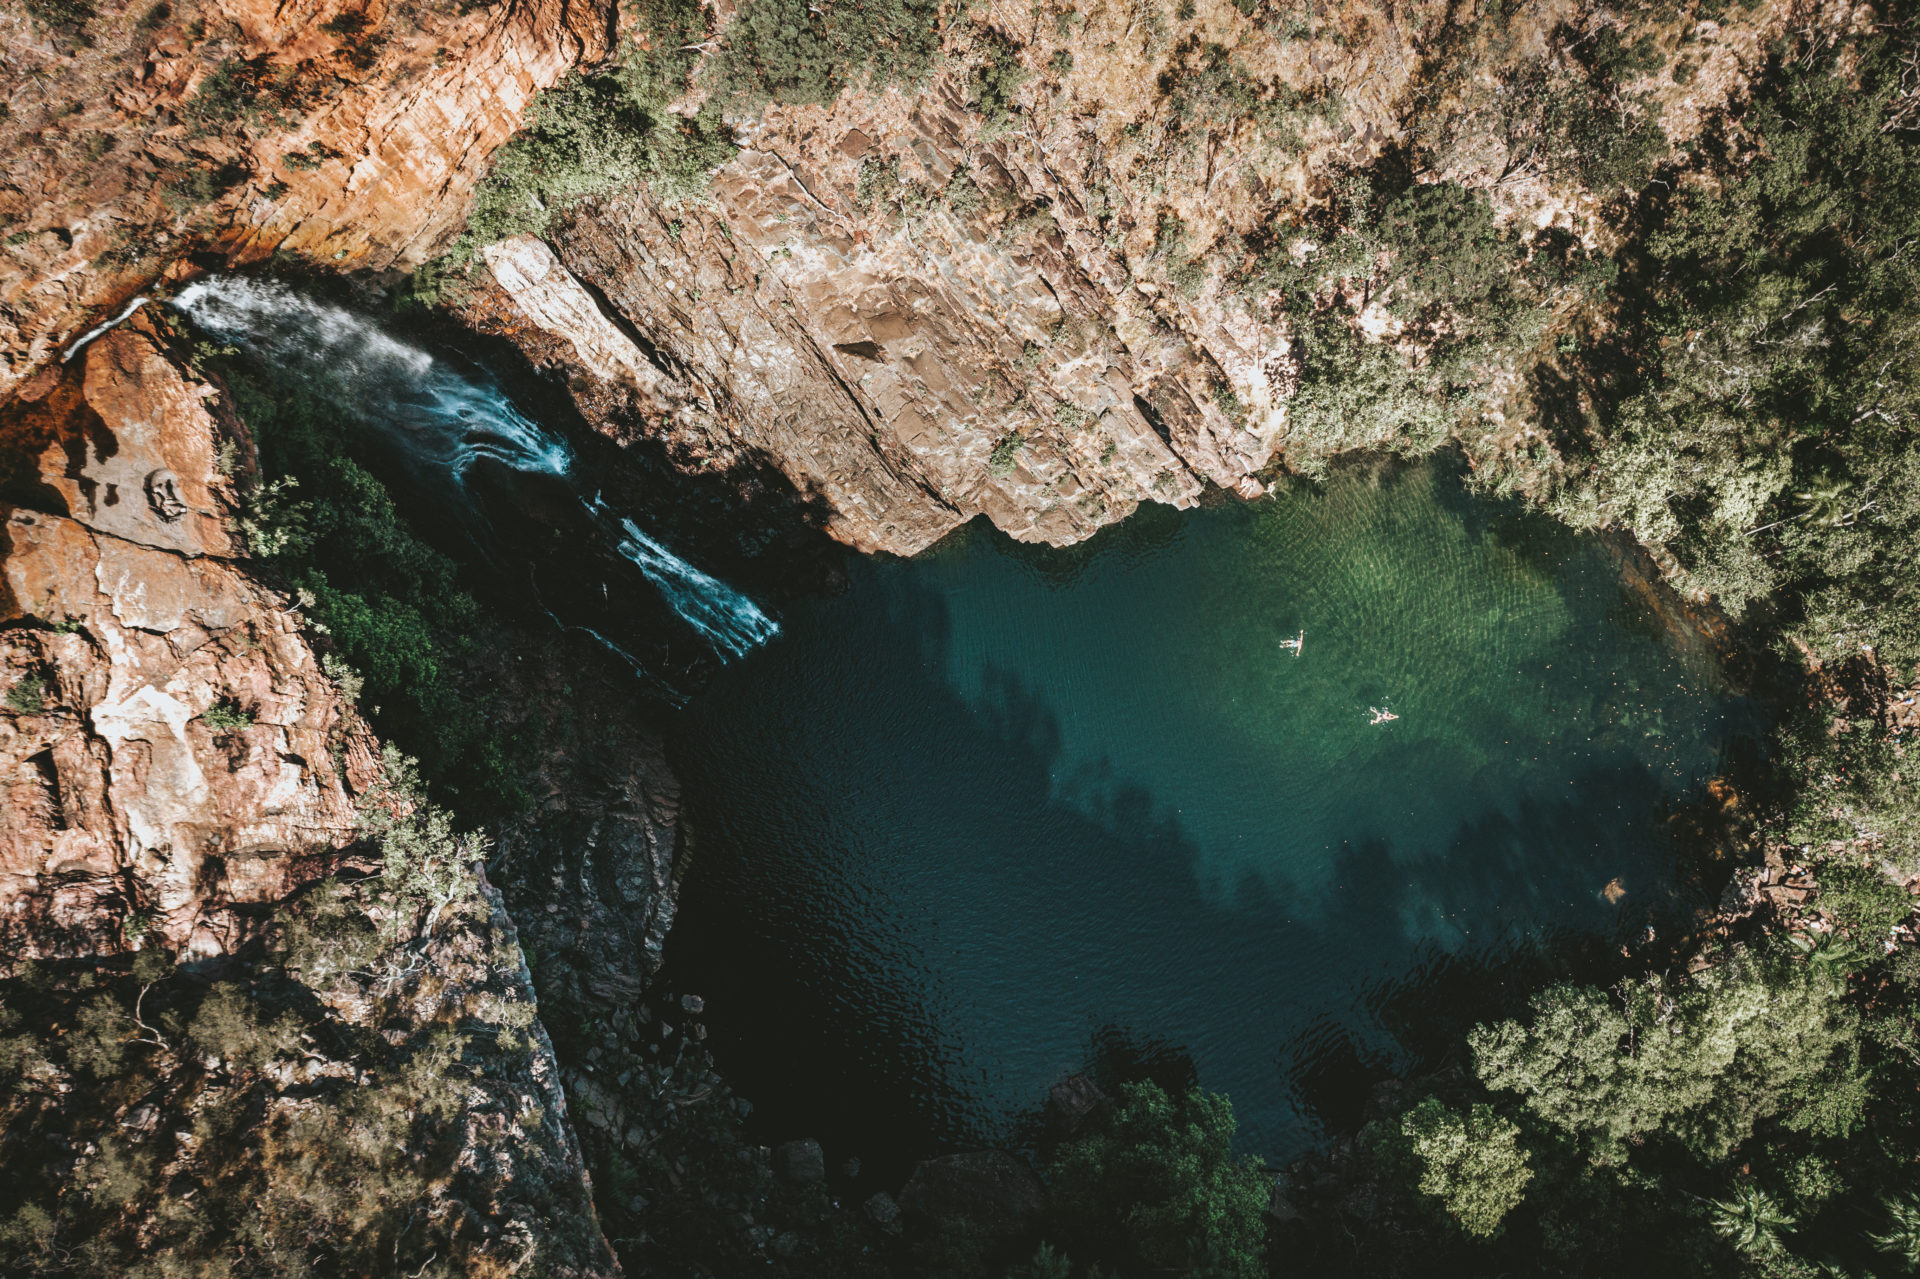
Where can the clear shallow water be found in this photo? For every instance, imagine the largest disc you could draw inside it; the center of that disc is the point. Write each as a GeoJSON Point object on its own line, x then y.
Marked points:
{"type": "Point", "coordinates": [988, 802]}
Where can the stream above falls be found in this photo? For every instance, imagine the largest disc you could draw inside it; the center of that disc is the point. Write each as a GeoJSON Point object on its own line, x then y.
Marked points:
{"type": "Point", "coordinates": [994, 811]}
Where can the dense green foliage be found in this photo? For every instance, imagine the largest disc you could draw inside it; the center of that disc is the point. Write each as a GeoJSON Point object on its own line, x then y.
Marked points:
{"type": "Point", "coordinates": [796, 52]}
{"type": "Point", "coordinates": [1465, 299]}
{"type": "Point", "coordinates": [67, 17]}
{"type": "Point", "coordinates": [596, 134]}
{"type": "Point", "coordinates": [1471, 1165]}
{"type": "Point", "coordinates": [1734, 385]}
{"type": "Point", "coordinates": [1156, 1189]}
{"type": "Point", "coordinates": [390, 606]}
{"type": "Point", "coordinates": [1757, 1118]}
{"type": "Point", "coordinates": [1737, 392]}
{"type": "Point", "coordinates": [1764, 431]}
{"type": "Point", "coordinates": [1704, 1061]}
{"type": "Point", "coordinates": [590, 136]}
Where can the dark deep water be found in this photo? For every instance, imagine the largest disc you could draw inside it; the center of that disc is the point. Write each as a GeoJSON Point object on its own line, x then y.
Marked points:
{"type": "Point", "coordinates": [984, 805]}
{"type": "Point", "coordinates": [983, 811]}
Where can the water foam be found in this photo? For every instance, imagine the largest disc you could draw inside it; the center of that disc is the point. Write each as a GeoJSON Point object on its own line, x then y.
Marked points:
{"type": "Point", "coordinates": [731, 622]}
{"type": "Point", "coordinates": [437, 414]}
{"type": "Point", "coordinates": [443, 420]}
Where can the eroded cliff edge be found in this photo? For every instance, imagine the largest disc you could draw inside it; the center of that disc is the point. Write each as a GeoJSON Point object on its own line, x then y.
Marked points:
{"type": "Point", "coordinates": [1017, 287]}
{"type": "Point", "coordinates": [255, 988]}
{"type": "Point", "coordinates": [1036, 277]}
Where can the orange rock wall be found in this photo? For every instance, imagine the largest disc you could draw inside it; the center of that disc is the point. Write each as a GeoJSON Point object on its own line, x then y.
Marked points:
{"type": "Point", "coordinates": [128, 816]}
{"type": "Point", "coordinates": [389, 128]}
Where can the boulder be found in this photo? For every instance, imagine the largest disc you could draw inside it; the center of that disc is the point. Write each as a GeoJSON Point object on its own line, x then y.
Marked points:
{"type": "Point", "coordinates": [801, 1162]}
{"type": "Point", "coordinates": [1070, 1103]}
{"type": "Point", "coordinates": [883, 1211]}
{"type": "Point", "coordinates": [994, 1195]}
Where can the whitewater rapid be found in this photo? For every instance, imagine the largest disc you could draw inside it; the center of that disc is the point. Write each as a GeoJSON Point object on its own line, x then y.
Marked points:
{"type": "Point", "coordinates": [443, 420]}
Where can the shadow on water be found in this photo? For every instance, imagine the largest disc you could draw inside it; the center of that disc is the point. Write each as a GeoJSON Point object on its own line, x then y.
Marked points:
{"type": "Point", "coordinates": [918, 895]}
{"type": "Point", "coordinates": [911, 911]}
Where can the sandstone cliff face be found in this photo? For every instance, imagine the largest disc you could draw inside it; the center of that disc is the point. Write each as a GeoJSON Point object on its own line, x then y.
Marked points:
{"type": "Point", "coordinates": [174, 754]}
{"type": "Point", "coordinates": [176, 772]}
{"type": "Point", "coordinates": [922, 310]}
{"type": "Point", "coordinates": [348, 135]}
{"type": "Point", "coordinates": [919, 306]}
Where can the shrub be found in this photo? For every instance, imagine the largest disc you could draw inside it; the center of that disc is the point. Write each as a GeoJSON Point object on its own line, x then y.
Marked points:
{"type": "Point", "coordinates": [427, 864]}
{"type": "Point", "coordinates": [231, 1026]}
{"type": "Point", "coordinates": [1740, 1043]}
{"type": "Point", "coordinates": [1000, 460]}
{"type": "Point", "coordinates": [962, 194]}
{"type": "Point", "coordinates": [228, 93]}
{"type": "Point", "coordinates": [1186, 273]}
{"type": "Point", "coordinates": [239, 91]}
{"type": "Point", "coordinates": [1472, 1165]}
{"type": "Point", "coordinates": [391, 605]}
{"type": "Point", "coordinates": [272, 522]}
{"type": "Point", "coordinates": [28, 696]}
{"type": "Point", "coordinates": [315, 155]}
{"type": "Point", "coordinates": [1156, 1187]}
{"type": "Point", "coordinates": [67, 17]}
{"type": "Point", "coordinates": [587, 137]}
{"type": "Point", "coordinates": [1863, 901]}
{"type": "Point", "coordinates": [797, 52]}
{"type": "Point", "coordinates": [97, 1042]}
{"type": "Point", "coordinates": [226, 717]}
{"type": "Point", "coordinates": [200, 187]}
{"type": "Point", "coordinates": [996, 80]}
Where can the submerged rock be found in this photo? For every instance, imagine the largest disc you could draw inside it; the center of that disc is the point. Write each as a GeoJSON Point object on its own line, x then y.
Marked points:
{"type": "Point", "coordinates": [1070, 1103]}
{"type": "Point", "coordinates": [883, 1211]}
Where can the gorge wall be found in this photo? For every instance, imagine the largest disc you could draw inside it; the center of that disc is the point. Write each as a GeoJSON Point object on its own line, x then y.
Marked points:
{"type": "Point", "coordinates": [1027, 285]}
{"type": "Point", "coordinates": [142, 133]}
{"type": "Point", "coordinates": [182, 777]}
{"type": "Point", "coordinates": [1017, 287]}
{"type": "Point", "coordinates": [1020, 289]}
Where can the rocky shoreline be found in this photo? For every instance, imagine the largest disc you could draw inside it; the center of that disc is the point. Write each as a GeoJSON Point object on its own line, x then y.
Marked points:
{"type": "Point", "coordinates": [890, 314]}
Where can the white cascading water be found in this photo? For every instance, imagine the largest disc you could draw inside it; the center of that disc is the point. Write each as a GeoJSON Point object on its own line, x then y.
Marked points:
{"type": "Point", "coordinates": [445, 419]}
{"type": "Point", "coordinates": [731, 623]}
{"type": "Point", "coordinates": [100, 330]}
{"type": "Point", "coordinates": [440, 416]}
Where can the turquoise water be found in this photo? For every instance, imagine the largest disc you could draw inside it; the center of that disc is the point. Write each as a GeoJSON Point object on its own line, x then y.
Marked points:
{"type": "Point", "coordinates": [988, 804]}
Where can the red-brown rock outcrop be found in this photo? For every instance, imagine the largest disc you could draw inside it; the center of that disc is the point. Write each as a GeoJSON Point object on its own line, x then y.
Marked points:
{"type": "Point", "coordinates": [174, 755]}
{"type": "Point", "coordinates": [348, 135]}
{"type": "Point", "coordinates": [177, 769]}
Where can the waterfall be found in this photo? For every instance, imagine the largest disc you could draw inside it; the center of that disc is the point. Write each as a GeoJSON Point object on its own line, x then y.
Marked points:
{"type": "Point", "coordinates": [437, 415]}
{"type": "Point", "coordinates": [443, 420]}
{"type": "Point", "coordinates": [731, 623]}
